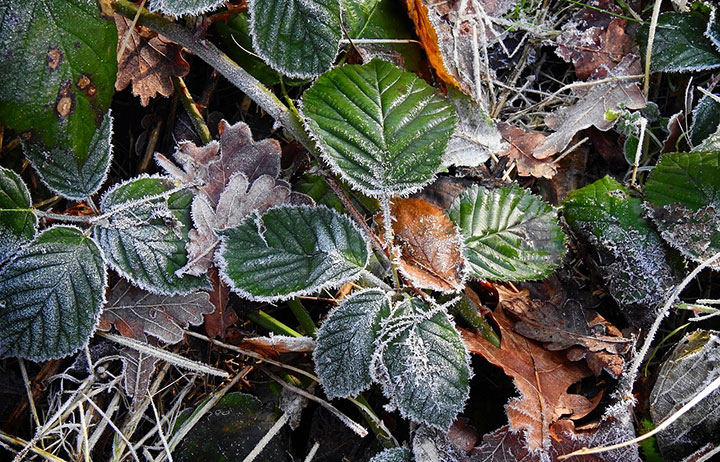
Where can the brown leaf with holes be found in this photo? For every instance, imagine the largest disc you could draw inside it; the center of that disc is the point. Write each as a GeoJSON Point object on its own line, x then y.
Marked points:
{"type": "Point", "coordinates": [521, 144]}
{"type": "Point", "coordinates": [430, 245]}
{"type": "Point", "coordinates": [565, 325]}
{"type": "Point", "coordinates": [541, 376]}
{"type": "Point", "coordinates": [148, 61]}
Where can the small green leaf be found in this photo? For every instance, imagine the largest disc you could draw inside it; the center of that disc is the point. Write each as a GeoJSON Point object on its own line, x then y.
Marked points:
{"type": "Point", "coordinates": [57, 86]}
{"type": "Point", "coordinates": [680, 44]}
{"type": "Point", "coordinates": [299, 38]}
{"type": "Point", "coordinates": [422, 364]}
{"type": "Point", "coordinates": [51, 294]}
{"type": "Point", "coordinates": [357, 15]}
{"type": "Point", "coordinates": [393, 455]}
{"type": "Point", "coordinates": [346, 342]}
{"type": "Point", "coordinates": [178, 8]}
{"type": "Point", "coordinates": [17, 222]}
{"type": "Point", "coordinates": [705, 120]}
{"type": "Point", "coordinates": [510, 234]}
{"type": "Point", "coordinates": [383, 129]}
{"type": "Point", "coordinates": [145, 234]}
{"type": "Point", "coordinates": [291, 251]}
{"type": "Point", "coordinates": [630, 254]}
{"type": "Point", "coordinates": [684, 193]}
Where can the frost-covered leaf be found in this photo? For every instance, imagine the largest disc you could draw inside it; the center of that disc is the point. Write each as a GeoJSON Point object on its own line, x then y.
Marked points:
{"type": "Point", "coordinates": [139, 368]}
{"type": "Point", "coordinates": [684, 195]}
{"type": "Point", "coordinates": [184, 7]}
{"type": "Point", "coordinates": [357, 14]}
{"type": "Point", "coordinates": [626, 248]}
{"type": "Point", "coordinates": [16, 226]}
{"type": "Point", "coordinates": [509, 234]}
{"type": "Point", "coordinates": [346, 343]}
{"type": "Point", "coordinates": [476, 135]}
{"type": "Point", "coordinates": [274, 345]}
{"type": "Point", "coordinates": [299, 38]}
{"type": "Point", "coordinates": [393, 455]}
{"type": "Point", "coordinates": [145, 233]}
{"type": "Point", "coordinates": [291, 251]}
{"type": "Point", "coordinates": [383, 129]}
{"type": "Point", "coordinates": [421, 363]}
{"type": "Point", "coordinates": [705, 120]}
{"type": "Point", "coordinates": [212, 165]}
{"type": "Point", "coordinates": [431, 249]}
{"type": "Point", "coordinates": [439, 446]}
{"type": "Point", "coordinates": [57, 85]}
{"type": "Point", "coordinates": [149, 61]}
{"type": "Point", "coordinates": [713, 27]}
{"type": "Point", "coordinates": [541, 376]}
{"type": "Point", "coordinates": [520, 148]}
{"type": "Point", "coordinates": [592, 106]}
{"type": "Point", "coordinates": [51, 294]}
{"type": "Point", "coordinates": [137, 313]}
{"type": "Point", "coordinates": [692, 365]}
{"type": "Point", "coordinates": [680, 44]}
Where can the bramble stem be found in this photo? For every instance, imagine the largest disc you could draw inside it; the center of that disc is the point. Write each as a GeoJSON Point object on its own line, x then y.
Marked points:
{"type": "Point", "coordinates": [303, 317]}
{"type": "Point", "coordinates": [263, 319]}
{"type": "Point", "coordinates": [189, 104]}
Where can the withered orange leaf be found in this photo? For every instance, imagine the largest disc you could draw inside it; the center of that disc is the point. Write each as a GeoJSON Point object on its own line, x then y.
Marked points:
{"type": "Point", "coordinates": [218, 322]}
{"type": "Point", "coordinates": [541, 376]}
{"type": "Point", "coordinates": [430, 245]}
{"type": "Point", "coordinates": [521, 145]}
{"type": "Point", "coordinates": [148, 61]}
{"type": "Point", "coordinates": [564, 324]}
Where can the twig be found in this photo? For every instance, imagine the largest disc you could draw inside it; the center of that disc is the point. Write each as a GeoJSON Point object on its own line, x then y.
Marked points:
{"type": "Point", "coordinates": [195, 117]}
{"type": "Point", "coordinates": [651, 40]}
{"type": "Point", "coordinates": [267, 437]}
{"type": "Point", "coordinates": [28, 390]}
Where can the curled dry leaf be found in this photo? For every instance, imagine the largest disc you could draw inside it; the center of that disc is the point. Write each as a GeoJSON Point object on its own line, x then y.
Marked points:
{"type": "Point", "coordinates": [430, 245]}
{"type": "Point", "coordinates": [223, 316]}
{"type": "Point", "coordinates": [137, 313]}
{"type": "Point", "coordinates": [148, 61]}
{"type": "Point", "coordinates": [565, 325]}
{"type": "Point", "coordinates": [274, 345]}
{"type": "Point", "coordinates": [520, 148]}
{"type": "Point", "coordinates": [541, 376]}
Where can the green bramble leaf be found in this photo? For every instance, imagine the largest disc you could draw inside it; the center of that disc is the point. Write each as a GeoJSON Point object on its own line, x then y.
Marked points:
{"type": "Point", "coordinates": [299, 38]}
{"type": "Point", "coordinates": [178, 8]}
{"type": "Point", "coordinates": [51, 294]}
{"type": "Point", "coordinates": [383, 129]}
{"type": "Point", "coordinates": [144, 239]}
{"type": "Point", "coordinates": [510, 234]}
{"type": "Point", "coordinates": [393, 455]}
{"type": "Point", "coordinates": [17, 226]}
{"type": "Point", "coordinates": [56, 89]}
{"type": "Point", "coordinates": [291, 251]}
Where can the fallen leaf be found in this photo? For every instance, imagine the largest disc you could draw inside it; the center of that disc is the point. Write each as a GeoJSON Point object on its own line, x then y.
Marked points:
{"type": "Point", "coordinates": [148, 61]}
{"type": "Point", "coordinates": [430, 245]}
{"type": "Point", "coordinates": [139, 369]}
{"type": "Point", "coordinates": [521, 145]}
{"type": "Point", "coordinates": [223, 316]}
{"type": "Point", "coordinates": [137, 313]}
{"type": "Point", "coordinates": [564, 324]}
{"type": "Point", "coordinates": [592, 106]}
{"type": "Point", "coordinates": [541, 376]}
{"type": "Point", "coordinates": [274, 345]}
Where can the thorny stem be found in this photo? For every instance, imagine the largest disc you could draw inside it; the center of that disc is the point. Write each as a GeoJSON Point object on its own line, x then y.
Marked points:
{"type": "Point", "coordinates": [189, 104]}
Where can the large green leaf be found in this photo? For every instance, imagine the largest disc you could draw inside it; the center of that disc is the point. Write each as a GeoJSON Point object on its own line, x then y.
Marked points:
{"type": "Point", "coordinates": [422, 364]}
{"type": "Point", "coordinates": [383, 129]}
{"type": "Point", "coordinates": [58, 75]}
{"type": "Point", "coordinates": [684, 193]}
{"type": "Point", "coordinates": [680, 44]}
{"type": "Point", "coordinates": [51, 294]}
{"type": "Point", "coordinates": [17, 222]}
{"type": "Point", "coordinates": [299, 38]}
{"type": "Point", "coordinates": [145, 233]}
{"type": "Point", "coordinates": [510, 235]}
{"type": "Point", "coordinates": [630, 254]}
{"type": "Point", "coordinates": [291, 251]}
{"type": "Point", "coordinates": [346, 342]}
{"type": "Point", "coordinates": [185, 7]}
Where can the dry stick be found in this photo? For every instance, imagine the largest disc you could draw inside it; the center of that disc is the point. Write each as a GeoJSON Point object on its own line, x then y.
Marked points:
{"type": "Point", "coordinates": [651, 39]}
{"type": "Point", "coordinates": [28, 390]}
{"type": "Point", "coordinates": [21, 442]}
{"type": "Point", "coordinates": [277, 426]}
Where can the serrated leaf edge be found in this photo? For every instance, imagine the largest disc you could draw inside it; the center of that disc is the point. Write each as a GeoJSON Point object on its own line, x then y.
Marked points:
{"type": "Point", "coordinates": [26, 193]}
{"type": "Point", "coordinates": [162, 5]}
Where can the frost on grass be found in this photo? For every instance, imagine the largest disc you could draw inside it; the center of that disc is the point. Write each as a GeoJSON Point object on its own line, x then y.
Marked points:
{"type": "Point", "coordinates": [17, 227]}
{"type": "Point", "coordinates": [346, 342]}
{"type": "Point", "coordinates": [422, 364]}
{"type": "Point", "coordinates": [298, 38]}
{"type": "Point", "coordinates": [382, 129]}
{"type": "Point", "coordinates": [509, 233]}
{"type": "Point", "coordinates": [291, 251]}
{"type": "Point", "coordinates": [393, 455]}
{"type": "Point", "coordinates": [137, 313]}
{"type": "Point", "coordinates": [178, 8]}
{"type": "Point", "coordinates": [51, 294]}
{"type": "Point", "coordinates": [143, 232]}
{"type": "Point", "coordinates": [693, 364]}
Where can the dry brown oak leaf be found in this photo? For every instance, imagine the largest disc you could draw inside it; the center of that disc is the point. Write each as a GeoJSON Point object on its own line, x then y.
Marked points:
{"type": "Point", "coordinates": [541, 376]}
{"type": "Point", "coordinates": [565, 325]}
{"type": "Point", "coordinates": [521, 144]}
{"type": "Point", "coordinates": [430, 245]}
{"type": "Point", "coordinates": [148, 61]}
